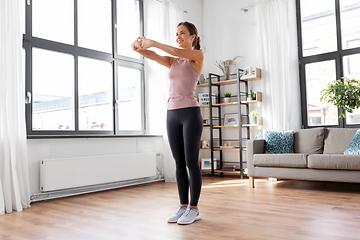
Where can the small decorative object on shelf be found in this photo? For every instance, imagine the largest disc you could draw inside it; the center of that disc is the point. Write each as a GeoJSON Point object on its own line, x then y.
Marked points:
{"type": "Point", "coordinates": [227, 98]}
{"type": "Point", "coordinates": [231, 119]}
{"type": "Point", "coordinates": [252, 96]}
{"type": "Point", "coordinates": [206, 163]}
{"type": "Point", "coordinates": [226, 65]}
{"type": "Point", "coordinates": [204, 98]}
{"type": "Point", "coordinates": [247, 71]}
{"type": "Point", "coordinates": [205, 144]}
{"type": "Point", "coordinates": [252, 116]}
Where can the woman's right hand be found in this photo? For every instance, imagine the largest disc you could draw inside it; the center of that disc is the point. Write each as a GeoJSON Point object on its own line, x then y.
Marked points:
{"type": "Point", "coordinates": [136, 45]}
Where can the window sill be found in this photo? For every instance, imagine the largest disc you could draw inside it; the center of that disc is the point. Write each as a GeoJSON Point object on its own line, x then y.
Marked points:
{"type": "Point", "coordinates": [90, 136]}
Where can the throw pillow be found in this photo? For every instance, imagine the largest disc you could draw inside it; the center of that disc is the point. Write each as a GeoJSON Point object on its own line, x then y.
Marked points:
{"type": "Point", "coordinates": [354, 145]}
{"type": "Point", "coordinates": [279, 142]}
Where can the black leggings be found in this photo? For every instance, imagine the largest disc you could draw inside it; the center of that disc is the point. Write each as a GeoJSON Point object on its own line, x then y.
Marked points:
{"type": "Point", "coordinates": [184, 128]}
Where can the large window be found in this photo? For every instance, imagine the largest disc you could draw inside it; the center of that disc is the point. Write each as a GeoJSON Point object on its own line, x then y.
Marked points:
{"type": "Point", "coordinates": [329, 48]}
{"type": "Point", "coordinates": [82, 78]}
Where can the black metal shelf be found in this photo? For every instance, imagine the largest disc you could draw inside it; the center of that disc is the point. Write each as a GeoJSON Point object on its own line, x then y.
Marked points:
{"type": "Point", "coordinates": [214, 84]}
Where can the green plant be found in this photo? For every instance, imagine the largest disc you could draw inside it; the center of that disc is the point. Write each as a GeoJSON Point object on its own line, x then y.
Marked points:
{"type": "Point", "coordinates": [343, 94]}
{"type": "Point", "coordinates": [252, 94]}
{"type": "Point", "coordinates": [227, 95]}
{"type": "Point", "coordinates": [253, 113]}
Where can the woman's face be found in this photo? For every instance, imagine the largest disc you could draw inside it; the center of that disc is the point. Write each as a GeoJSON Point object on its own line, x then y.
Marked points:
{"type": "Point", "coordinates": [183, 37]}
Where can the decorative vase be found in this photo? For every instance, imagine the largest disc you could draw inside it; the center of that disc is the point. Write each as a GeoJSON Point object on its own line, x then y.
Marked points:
{"type": "Point", "coordinates": [227, 100]}
{"type": "Point", "coordinates": [252, 120]}
{"type": "Point", "coordinates": [227, 75]}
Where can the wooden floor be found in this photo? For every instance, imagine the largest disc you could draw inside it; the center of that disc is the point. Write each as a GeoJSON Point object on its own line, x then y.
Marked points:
{"type": "Point", "coordinates": [229, 210]}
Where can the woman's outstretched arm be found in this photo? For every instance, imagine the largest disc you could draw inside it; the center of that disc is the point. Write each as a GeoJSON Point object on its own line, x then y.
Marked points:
{"type": "Point", "coordinates": [163, 60]}
{"type": "Point", "coordinates": [195, 55]}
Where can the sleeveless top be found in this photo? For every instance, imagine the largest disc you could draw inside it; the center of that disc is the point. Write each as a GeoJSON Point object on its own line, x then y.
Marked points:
{"type": "Point", "coordinates": [183, 80]}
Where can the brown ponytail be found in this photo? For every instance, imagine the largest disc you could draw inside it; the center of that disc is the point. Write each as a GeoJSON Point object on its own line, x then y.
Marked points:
{"type": "Point", "coordinates": [193, 31]}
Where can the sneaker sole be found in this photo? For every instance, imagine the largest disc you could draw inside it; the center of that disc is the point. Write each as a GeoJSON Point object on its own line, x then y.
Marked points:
{"type": "Point", "coordinates": [184, 223]}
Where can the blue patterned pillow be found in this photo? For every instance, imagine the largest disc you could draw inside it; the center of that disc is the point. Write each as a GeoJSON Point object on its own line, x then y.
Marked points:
{"type": "Point", "coordinates": [354, 145]}
{"type": "Point", "coordinates": [279, 141]}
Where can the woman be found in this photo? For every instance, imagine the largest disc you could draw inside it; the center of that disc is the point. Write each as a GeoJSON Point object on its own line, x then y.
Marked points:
{"type": "Point", "coordinates": [184, 121]}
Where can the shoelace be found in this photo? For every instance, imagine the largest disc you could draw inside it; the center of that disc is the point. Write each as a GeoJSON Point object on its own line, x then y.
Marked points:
{"type": "Point", "coordinates": [180, 208]}
{"type": "Point", "coordinates": [188, 211]}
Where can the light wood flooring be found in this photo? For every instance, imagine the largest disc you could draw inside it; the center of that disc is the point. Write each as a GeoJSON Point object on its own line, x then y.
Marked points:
{"type": "Point", "coordinates": [229, 210]}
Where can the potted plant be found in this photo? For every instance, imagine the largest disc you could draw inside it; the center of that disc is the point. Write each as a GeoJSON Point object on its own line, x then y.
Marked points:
{"type": "Point", "coordinates": [227, 98]}
{"type": "Point", "coordinates": [252, 96]}
{"type": "Point", "coordinates": [226, 65]}
{"type": "Point", "coordinates": [252, 116]}
{"type": "Point", "coordinates": [343, 94]}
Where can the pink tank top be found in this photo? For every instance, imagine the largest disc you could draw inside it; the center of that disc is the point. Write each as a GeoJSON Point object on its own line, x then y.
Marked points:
{"type": "Point", "coordinates": [183, 80]}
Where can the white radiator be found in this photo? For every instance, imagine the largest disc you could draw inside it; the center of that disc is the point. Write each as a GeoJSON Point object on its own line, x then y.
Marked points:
{"type": "Point", "coordinates": [65, 173]}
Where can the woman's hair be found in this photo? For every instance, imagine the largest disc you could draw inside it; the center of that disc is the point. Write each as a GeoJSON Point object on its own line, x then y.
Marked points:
{"type": "Point", "coordinates": [193, 31]}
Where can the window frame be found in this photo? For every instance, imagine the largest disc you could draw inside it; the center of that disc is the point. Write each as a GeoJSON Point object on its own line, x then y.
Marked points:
{"type": "Point", "coordinates": [30, 42]}
{"type": "Point", "coordinates": [335, 55]}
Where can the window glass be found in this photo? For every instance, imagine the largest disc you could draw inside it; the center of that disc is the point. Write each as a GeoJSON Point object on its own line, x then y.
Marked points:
{"type": "Point", "coordinates": [129, 99]}
{"type": "Point", "coordinates": [94, 21]}
{"type": "Point", "coordinates": [53, 20]}
{"type": "Point", "coordinates": [320, 112]}
{"type": "Point", "coordinates": [95, 95]}
{"type": "Point", "coordinates": [318, 26]}
{"type": "Point", "coordinates": [128, 26]}
{"type": "Point", "coordinates": [53, 90]}
{"type": "Point", "coordinates": [350, 23]}
{"type": "Point", "coordinates": [351, 70]}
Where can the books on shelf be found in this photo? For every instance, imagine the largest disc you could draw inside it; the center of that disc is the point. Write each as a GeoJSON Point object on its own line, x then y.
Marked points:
{"type": "Point", "coordinates": [229, 168]}
{"type": "Point", "coordinates": [227, 147]}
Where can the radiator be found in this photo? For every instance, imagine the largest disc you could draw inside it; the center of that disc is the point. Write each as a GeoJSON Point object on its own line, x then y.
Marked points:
{"type": "Point", "coordinates": [66, 173]}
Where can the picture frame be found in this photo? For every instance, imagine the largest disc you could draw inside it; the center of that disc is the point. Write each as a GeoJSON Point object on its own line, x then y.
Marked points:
{"type": "Point", "coordinates": [231, 119]}
{"type": "Point", "coordinates": [247, 71]}
{"type": "Point", "coordinates": [206, 163]}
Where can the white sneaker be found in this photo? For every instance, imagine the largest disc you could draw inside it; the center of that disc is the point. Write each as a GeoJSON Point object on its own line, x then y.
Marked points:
{"type": "Point", "coordinates": [189, 216]}
{"type": "Point", "coordinates": [177, 215]}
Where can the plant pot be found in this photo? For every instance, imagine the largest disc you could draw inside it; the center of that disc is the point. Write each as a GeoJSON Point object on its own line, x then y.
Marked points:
{"type": "Point", "coordinates": [252, 120]}
{"type": "Point", "coordinates": [227, 100]}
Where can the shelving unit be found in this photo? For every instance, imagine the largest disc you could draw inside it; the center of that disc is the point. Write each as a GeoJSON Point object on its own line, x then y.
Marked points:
{"type": "Point", "coordinates": [241, 114]}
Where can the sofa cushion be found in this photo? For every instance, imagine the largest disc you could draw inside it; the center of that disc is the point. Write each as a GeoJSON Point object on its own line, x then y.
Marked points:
{"type": "Point", "coordinates": [354, 145]}
{"type": "Point", "coordinates": [295, 160]}
{"type": "Point", "coordinates": [337, 139]}
{"type": "Point", "coordinates": [334, 161]}
{"type": "Point", "coordinates": [309, 140]}
{"type": "Point", "coordinates": [279, 142]}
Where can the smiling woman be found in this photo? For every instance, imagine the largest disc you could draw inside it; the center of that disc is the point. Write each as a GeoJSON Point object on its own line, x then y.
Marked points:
{"type": "Point", "coordinates": [184, 121]}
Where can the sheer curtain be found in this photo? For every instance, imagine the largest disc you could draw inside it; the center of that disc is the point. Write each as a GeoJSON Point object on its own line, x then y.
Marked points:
{"type": "Point", "coordinates": [14, 178]}
{"type": "Point", "coordinates": [276, 22]}
{"type": "Point", "coordinates": [161, 19]}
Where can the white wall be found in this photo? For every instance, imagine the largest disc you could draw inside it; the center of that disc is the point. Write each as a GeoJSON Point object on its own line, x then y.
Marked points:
{"type": "Point", "coordinates": [230, 32]}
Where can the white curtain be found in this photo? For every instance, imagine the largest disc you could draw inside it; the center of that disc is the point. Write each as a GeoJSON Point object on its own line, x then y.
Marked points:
{"type": "Point", "coordinates": [276, 22]}
{"type": "Point", "coordinates": [161, 19]}
{"type": "Point", "coordinates": [14, 178]}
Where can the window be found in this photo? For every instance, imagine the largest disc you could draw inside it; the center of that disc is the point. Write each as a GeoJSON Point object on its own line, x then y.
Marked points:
{"type": "Point", "coordinates": [82, 78]}
{"type": "Point", "coordinates": [329, 48]}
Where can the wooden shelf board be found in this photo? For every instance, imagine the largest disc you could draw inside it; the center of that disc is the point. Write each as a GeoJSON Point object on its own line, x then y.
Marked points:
{"type": "Point", "coordinates": [219, 171]}
{"type": "Point", "coordinates": [250, 125]}
{"type": "Point", "coordinates": [217, 148]}
{"type": "Point", "coordinates": [203, 85]}
{"type": "Point", "coordinates": [248, 102]}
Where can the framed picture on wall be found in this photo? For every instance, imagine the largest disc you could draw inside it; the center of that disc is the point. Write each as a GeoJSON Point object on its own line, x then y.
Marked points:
{"type": "Point", "coordinates": [231, 119]}
{"type": "Point", "coordinates": [247, 71]}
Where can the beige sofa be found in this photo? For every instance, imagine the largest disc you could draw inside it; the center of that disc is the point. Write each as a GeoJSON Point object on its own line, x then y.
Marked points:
{"type": "Point", "coordinates": [318, 156]}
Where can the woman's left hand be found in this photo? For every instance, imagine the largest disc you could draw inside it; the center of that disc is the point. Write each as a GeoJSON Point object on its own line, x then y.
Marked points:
{"type": "Point", "coordinates": [146, 43]}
